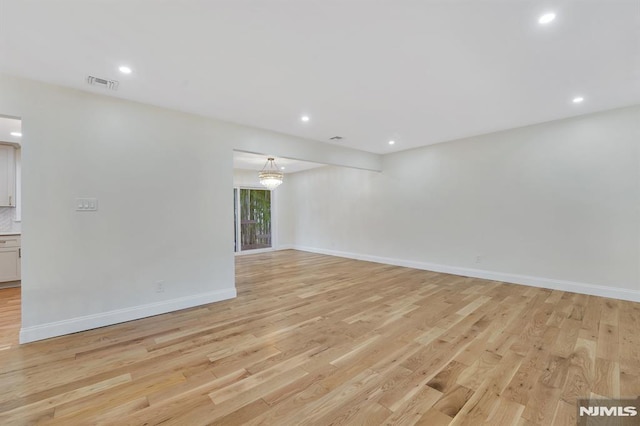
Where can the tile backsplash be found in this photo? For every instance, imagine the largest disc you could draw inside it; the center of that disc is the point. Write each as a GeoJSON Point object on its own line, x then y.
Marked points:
{"type": "Point", "coordinates": [7, 220]}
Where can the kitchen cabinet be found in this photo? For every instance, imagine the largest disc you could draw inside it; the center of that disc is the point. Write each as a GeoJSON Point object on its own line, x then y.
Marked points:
{"type": "Point", "coordinates": [10, 254]}
{"type": "Point", "coordinates": [7, 176]}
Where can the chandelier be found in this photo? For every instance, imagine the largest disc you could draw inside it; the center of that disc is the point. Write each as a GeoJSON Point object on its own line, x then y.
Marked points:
{"type": "Point", "coordinates": [270, 176]}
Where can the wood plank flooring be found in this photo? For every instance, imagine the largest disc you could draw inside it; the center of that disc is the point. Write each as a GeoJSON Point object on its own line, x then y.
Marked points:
{"type": "Point", "coordinates": [320, 340]}
{"type": "Point", "coordinates": [9, 317]}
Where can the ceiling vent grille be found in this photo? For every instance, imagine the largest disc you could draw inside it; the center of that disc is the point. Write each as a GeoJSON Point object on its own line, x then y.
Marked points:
{"type": "Point", "coordinates": [101, 82]}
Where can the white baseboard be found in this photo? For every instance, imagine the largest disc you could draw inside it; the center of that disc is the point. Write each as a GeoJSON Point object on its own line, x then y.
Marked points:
{"type": "Point", "coordinates": [73, 325]}
{"type": "Point", "coordinates": [10, 284]}
{"type": "Point", "coordinates": [265, 250]}
{"type": "Point", "coordinates": [553, 284]}
{"type": "Point", "coordinates": [254, 251]}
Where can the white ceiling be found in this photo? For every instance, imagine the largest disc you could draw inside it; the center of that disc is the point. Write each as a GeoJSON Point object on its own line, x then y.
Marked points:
{"type": "Point", "coordinates": [416, 71]}
{"type": "Point", "coordinates": [248, 161]}
{"type": "Point", "coordinates": [7, 126]}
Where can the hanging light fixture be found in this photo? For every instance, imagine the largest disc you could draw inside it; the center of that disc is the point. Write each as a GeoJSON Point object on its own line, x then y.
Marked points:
{"type": "Point", "coordinates": [270, 176]}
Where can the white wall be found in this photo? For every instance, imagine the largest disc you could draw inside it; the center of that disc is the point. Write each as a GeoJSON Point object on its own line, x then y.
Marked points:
{"type": "Point", "coordinates": [555, 205]}
{"type": "Point", "coordinates": [159, 177]}
{"type": "Point", "coordinates": [557, 201]}
{"type": "Point", "coordinates": [246, 178]}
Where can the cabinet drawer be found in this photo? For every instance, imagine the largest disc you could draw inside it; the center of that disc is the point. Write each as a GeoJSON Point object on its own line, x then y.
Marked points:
{"type": "Point", "coordinates": [9, 241]}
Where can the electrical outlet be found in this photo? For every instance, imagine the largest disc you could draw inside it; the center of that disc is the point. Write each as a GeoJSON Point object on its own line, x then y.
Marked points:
{"type": "Point", "coordinates": [159, 286]}
{"type": "Point", "coordinates": [478, 259]}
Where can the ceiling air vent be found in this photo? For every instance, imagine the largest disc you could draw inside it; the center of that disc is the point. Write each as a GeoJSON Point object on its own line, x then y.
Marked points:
{"type": "Point", "coordinates": [336, 138]}
{"type": "Point", "coordinates": [101, 82]}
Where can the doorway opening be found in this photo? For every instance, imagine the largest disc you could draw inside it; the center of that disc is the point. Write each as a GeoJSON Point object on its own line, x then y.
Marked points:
{"type": "Point", "coordinates": [10, 231]}
{"type": "Point", "coordinates": [264, 219]}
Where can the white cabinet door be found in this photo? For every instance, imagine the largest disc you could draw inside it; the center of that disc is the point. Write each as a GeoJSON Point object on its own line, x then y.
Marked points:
{"type": "Point", "coordinates": [7, 176]}
{"type": "Point", "coordinates": [9, 264]}
{"type": "Point", "coordinates": [10, 258]}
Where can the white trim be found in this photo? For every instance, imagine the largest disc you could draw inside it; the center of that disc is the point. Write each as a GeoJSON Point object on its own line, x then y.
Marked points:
{"type": "Point", "coordinates": [550, 283]}
{"type": "Point", "coordinates": [274, 219]}
{"type": "Point", "coordinates": [267, 250]}
{"type": "Point", "coordinates": [73, 325]}
{"type": "Point", "coordinates": [254, 251]}
{"type": "Point", "coordinates": [236, 220]}
{"type": "Point", "coordinates": [10, 284]}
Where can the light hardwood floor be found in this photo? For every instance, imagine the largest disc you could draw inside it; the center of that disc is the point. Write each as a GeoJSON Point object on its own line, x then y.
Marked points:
{"type": "Point", "coordinates": [321, 340]}
{"type": "Point", "coordinates": [9, 318]}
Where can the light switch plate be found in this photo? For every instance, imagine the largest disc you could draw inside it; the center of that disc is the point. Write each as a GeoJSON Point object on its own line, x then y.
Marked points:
{"type": "Point", "coordinates": [86, 204]}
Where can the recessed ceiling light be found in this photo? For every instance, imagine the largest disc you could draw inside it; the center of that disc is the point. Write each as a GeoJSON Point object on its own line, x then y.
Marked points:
{"type": "Point", "coordinates": [305, 118]}
{"type": "Point", "coordinates": [546, 18]}
{"type": "Point", "coordinates": [578, 99]}
{"type": "Point", "coordinates": [16, 134]}
{"type": "Point", "coordinates": [392, 142]}
{"type": "Point", "coordinates": [282, 168]}
{"type": "Point", "coordinates": [125, 69]}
